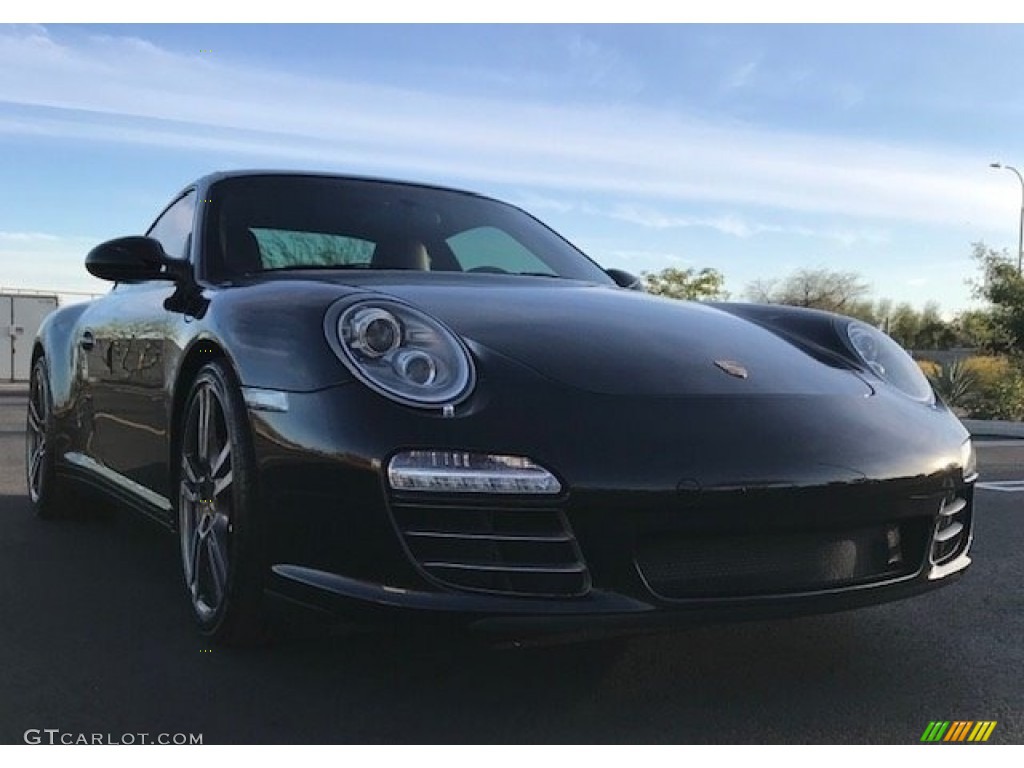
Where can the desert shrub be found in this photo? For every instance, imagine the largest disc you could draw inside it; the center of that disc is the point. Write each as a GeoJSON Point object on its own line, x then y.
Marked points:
{"type": "Point", "coordinates": [1000, 394]}
{"type": "Point", "coordinates": [981, 387]}
{"type": "Point", "coordinates": [990, 370]}
{"type": "Point", "coordinates": [956, 384]}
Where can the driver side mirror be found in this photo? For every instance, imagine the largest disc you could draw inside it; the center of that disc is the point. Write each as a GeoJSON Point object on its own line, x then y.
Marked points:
{"type": "Point", "coordinates": [134, 259]}
{"type": "Point", "coordinates": [624, 279]}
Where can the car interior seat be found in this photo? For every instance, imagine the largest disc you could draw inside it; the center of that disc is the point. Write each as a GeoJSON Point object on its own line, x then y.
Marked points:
{"type": "Point", "coordinates": [241, 250]}
{"type": "Point", "coordinates": [401, 253]}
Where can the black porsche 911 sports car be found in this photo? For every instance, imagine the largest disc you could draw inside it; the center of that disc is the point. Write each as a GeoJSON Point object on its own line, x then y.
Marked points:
{"type": "Point", "coordinates": [385, 398]}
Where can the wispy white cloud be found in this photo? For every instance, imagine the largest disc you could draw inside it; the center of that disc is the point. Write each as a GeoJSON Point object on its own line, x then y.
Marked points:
{"type": "Point", "coordinates": [738, 226]}
{"type": "Point", "coordinates": [28, 259]}
{"type": "Point", "coordinates": [654, 219]}
{"type": "Point", "coordinates": [649, 260]}
{"type": "Point", "coordinates": [23, 237]}
{"type": "Point", "coordinates": [596, 63]}
{"type": "Point", "coordinates": [531, 201]}
{"type": "Point", "coordinates": [128, 90]}
{"type": "Point", "coordinates": [849, 96]}
{"type": "Point", "coordinates": [742, 75]}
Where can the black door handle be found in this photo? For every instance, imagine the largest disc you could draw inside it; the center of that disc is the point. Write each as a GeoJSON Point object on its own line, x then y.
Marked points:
{"type": "Point", "coordinates": [88, 341]}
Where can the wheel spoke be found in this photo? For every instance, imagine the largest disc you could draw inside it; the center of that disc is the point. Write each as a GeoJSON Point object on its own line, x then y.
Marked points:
{"type": "Point", "coordinates": [192, 563]}
{"type": "Point", "coordinates": [36, 463]}
{"type": "Point", "coordinates": [189, 473]}
{"type": "Point", "coordinates": [222, 458]}
{"type": "Point", "coordinates": [217, 560]}
{"type": "Point", "coordinates": [34, 420]}
{"type": "Point", "coordinates": [222, 484]}
{"type": "Point", "coordinates": [204, 418]}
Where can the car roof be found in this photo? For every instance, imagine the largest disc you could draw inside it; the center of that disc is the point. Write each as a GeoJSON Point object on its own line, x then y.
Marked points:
{"type": "Point", "coordinates": [206, 181]}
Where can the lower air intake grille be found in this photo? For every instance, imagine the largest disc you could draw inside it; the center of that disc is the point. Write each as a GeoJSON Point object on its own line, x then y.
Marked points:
{"type": "Point", "coordinates": [951, 529]}
{"type": "Point", "coordinates": [527, 552]}
{"type": "Point", "coordinates": [688, 567]}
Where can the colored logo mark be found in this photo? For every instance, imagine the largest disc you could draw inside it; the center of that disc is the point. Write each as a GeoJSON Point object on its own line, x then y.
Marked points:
{"type": "Point", "coordinates": [958, 730]}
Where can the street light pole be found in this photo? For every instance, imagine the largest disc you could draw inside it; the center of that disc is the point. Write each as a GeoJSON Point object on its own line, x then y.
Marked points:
{"type": "Point", "coordinates": [1020, 231]}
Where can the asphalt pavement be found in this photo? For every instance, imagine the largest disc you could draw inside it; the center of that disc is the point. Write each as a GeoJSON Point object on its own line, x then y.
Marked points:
{"type": "Point", "coordinates": [96, 640]}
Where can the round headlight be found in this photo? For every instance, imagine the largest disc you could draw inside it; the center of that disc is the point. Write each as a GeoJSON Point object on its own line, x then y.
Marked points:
{"type": "Point", "coordinates": [416, 367]}
{"type": "Point", "coordinates": [375, 331]}
{"type": "Point", "coordinates": [864, 343]}
{"type": "Point", "coordinates": [888, 360]}
{"type": "Point", "coordinates": [401, 352]}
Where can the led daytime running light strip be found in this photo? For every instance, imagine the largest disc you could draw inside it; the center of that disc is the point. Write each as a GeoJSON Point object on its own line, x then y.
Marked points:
{"type": "Point", "coordinates": [450, 472]}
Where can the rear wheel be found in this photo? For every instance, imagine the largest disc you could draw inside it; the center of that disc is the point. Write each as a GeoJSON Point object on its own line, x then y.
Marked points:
{"type": "Point", "coordinates": [218, 518]}
{"type": "Point", "coordinates": [48, 493]}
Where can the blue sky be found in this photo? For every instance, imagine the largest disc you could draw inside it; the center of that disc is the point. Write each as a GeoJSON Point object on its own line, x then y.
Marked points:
{"type": "Point", "coordinates": [756, 150]}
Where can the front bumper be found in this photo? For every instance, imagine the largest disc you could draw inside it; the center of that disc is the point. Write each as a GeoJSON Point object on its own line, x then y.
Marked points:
{"type": "Point", "coordinates": [638, 501]}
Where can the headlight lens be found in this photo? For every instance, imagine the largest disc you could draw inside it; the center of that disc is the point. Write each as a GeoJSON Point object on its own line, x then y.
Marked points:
{"type": "Point", "coordinates": [404, 354]}
{"type": "Point", "coordinates": [374, 332]}
{"type": "Point", "coordinates": [888, 360]}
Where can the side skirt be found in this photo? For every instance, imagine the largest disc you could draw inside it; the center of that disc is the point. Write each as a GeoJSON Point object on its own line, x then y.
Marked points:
{"type": "Point", "coordinates": [86, 470]}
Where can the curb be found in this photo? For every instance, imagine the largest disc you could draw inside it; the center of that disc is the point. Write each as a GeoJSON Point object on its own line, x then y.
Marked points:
{"type": "Point", "coordinates": [979, 428]}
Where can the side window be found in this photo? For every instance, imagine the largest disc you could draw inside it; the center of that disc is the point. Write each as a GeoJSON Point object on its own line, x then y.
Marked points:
{"type": "Point", "coordinates": [489, 249]}
{"type": "Point", "coordinates": [174, 227]}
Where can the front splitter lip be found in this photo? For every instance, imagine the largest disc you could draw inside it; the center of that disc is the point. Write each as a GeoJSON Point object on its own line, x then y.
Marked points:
{"type": "Point", "coordinates": [468, 603]}
{"type": "Point", "coordinates": [600, 612]}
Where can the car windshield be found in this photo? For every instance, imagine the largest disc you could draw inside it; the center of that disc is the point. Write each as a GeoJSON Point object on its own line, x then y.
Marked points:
{"type": "Point", "coordinates": [265, 223]}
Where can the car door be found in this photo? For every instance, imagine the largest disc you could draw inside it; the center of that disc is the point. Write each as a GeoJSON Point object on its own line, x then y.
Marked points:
{"type": "Point", "coordinates": [130, 330]}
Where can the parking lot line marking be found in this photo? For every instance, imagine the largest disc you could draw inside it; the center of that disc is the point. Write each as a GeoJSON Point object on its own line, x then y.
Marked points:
{"type": "Point", "coordinates": [1006, 486]}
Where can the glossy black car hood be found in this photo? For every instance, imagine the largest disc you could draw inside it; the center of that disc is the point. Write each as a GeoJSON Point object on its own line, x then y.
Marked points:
{"type": "Point", "coordinates": [620, 342]}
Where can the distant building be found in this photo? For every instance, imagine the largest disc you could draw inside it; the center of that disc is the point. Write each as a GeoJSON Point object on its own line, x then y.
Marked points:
{"type": "Point", "coordinates": [21, 314]}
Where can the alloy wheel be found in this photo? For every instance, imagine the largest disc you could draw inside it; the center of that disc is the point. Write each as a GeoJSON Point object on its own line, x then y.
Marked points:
{"type": "Point", "coordinates": [35, 432]}
{"type": "Point", "coordinates": [206, 501]}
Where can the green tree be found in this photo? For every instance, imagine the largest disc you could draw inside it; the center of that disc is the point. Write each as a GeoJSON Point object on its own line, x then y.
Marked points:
{"type": "Point", "coordinates": [1003, 287]}
{"type": "Point", "coordinates": [817, 288]}
{"type": "Point", "coordinates": [934, 332]}
{"type": "Point", "coordinates": [846, 294]}
{"type": "Point", "coordinates": [866, 310]}
{"type": "Point", "coordinates": [978, 329]}
{"type": "Point", "coordinates": [904, 324]}
{"type": "Point", "coordinates": [692, 284]}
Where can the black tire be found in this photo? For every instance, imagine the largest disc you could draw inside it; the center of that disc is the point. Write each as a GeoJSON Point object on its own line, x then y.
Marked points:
{"type": "Point", "coordinates": [48, 493]}
{"type": "Point", "coordinates": [219, 525]}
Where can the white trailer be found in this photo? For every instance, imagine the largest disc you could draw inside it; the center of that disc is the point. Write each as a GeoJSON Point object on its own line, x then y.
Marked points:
{"type": "Point", "coordinates": [20, 317]}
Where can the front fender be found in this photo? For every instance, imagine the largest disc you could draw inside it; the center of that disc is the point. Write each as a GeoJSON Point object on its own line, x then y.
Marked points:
{"type": "Point", "coordinates": [273, 334]}
{"type": "Point", "coordinates": [58, 339]}
{"type": "Point", "coordinates": [811, 329]}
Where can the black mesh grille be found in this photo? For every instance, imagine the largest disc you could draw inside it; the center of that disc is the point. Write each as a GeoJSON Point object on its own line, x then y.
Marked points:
{"type": "Point", "coordinates": [682, 566]}
{"type": "Point", "coordinates": [516, 552]}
